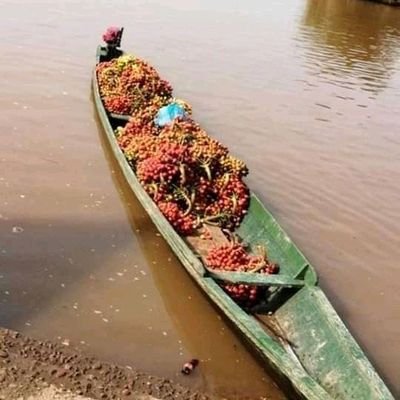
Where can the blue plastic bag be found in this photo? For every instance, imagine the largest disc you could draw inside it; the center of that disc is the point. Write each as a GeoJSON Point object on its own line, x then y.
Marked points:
{"type": "Point", "coordinates": [168, 113]}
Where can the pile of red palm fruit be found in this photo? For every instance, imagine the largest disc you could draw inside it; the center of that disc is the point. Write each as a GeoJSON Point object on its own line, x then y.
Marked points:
{"type": "Point", "coordinates": [189, 175]}
{"type": "Point", "coordinates": [233, 257]}
{"type": "Point", "coordinates": [128, 84]}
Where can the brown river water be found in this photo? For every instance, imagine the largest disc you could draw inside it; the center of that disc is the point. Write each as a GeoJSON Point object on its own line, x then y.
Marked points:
{"type": "Point", "coordinates": [306, 91]}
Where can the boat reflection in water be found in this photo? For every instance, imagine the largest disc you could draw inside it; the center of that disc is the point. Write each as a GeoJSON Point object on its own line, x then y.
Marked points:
{"type": "Point", "coordinates": [351, 43]}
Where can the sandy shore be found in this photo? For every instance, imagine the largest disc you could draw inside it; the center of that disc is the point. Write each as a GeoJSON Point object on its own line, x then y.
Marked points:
{"type": "Point", "coordinates": [36, 370]}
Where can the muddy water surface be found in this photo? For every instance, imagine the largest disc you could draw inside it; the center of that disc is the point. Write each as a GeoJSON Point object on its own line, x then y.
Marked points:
{"type": "Point", "coordinates": [307, 92]}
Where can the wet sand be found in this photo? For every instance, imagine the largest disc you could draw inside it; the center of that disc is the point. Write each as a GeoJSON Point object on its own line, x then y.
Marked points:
{"type": "Point", "coordinates": [36, 370]}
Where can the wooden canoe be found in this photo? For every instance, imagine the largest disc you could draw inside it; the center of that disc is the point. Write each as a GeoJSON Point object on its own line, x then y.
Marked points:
{"type": "Point", "coordinates": [297, 333]}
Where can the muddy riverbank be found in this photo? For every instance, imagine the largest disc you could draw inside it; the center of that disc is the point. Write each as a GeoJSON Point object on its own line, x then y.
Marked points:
{"type": "Point", "coordinates": [40, 369]}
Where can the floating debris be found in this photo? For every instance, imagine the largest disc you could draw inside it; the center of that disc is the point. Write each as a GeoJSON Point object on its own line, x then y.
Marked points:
{"type": "Point", "coordinates": [188, 367]}
{"type": "Point", "coordinates": [17, 229]}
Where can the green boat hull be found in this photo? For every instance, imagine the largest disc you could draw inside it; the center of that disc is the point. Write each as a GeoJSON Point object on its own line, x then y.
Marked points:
{"type": "Point", "coordinates": [305, 344]}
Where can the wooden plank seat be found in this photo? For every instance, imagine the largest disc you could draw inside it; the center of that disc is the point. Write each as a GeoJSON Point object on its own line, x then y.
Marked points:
{"type": "Point", "coordinates": [255, 279]}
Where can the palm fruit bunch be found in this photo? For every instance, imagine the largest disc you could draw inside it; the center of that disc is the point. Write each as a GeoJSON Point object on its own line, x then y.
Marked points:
{"type": "Point", "coordinates": [182, 163]}
{"type": "Point", "coordinates": [190, 175]}
{"type": "Point", "coordinates": [118, 104]}
{"type": "Point", "coordinates": [128, 84]}
{"type": "Point", "coordinates": [137, 148]}
{"type": "Point", "coordinates": [140, 124]}
{"type": "Point", "coordinates": [230, 164]}
{"type": "Point", "coordinates": [182, 222]}
{"type": "Point", "coordinates": [165, 165]}
{"type": "Point", "coordinates": [231, 201]}
{"type": "Point", "coordinates": [233, 257]}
